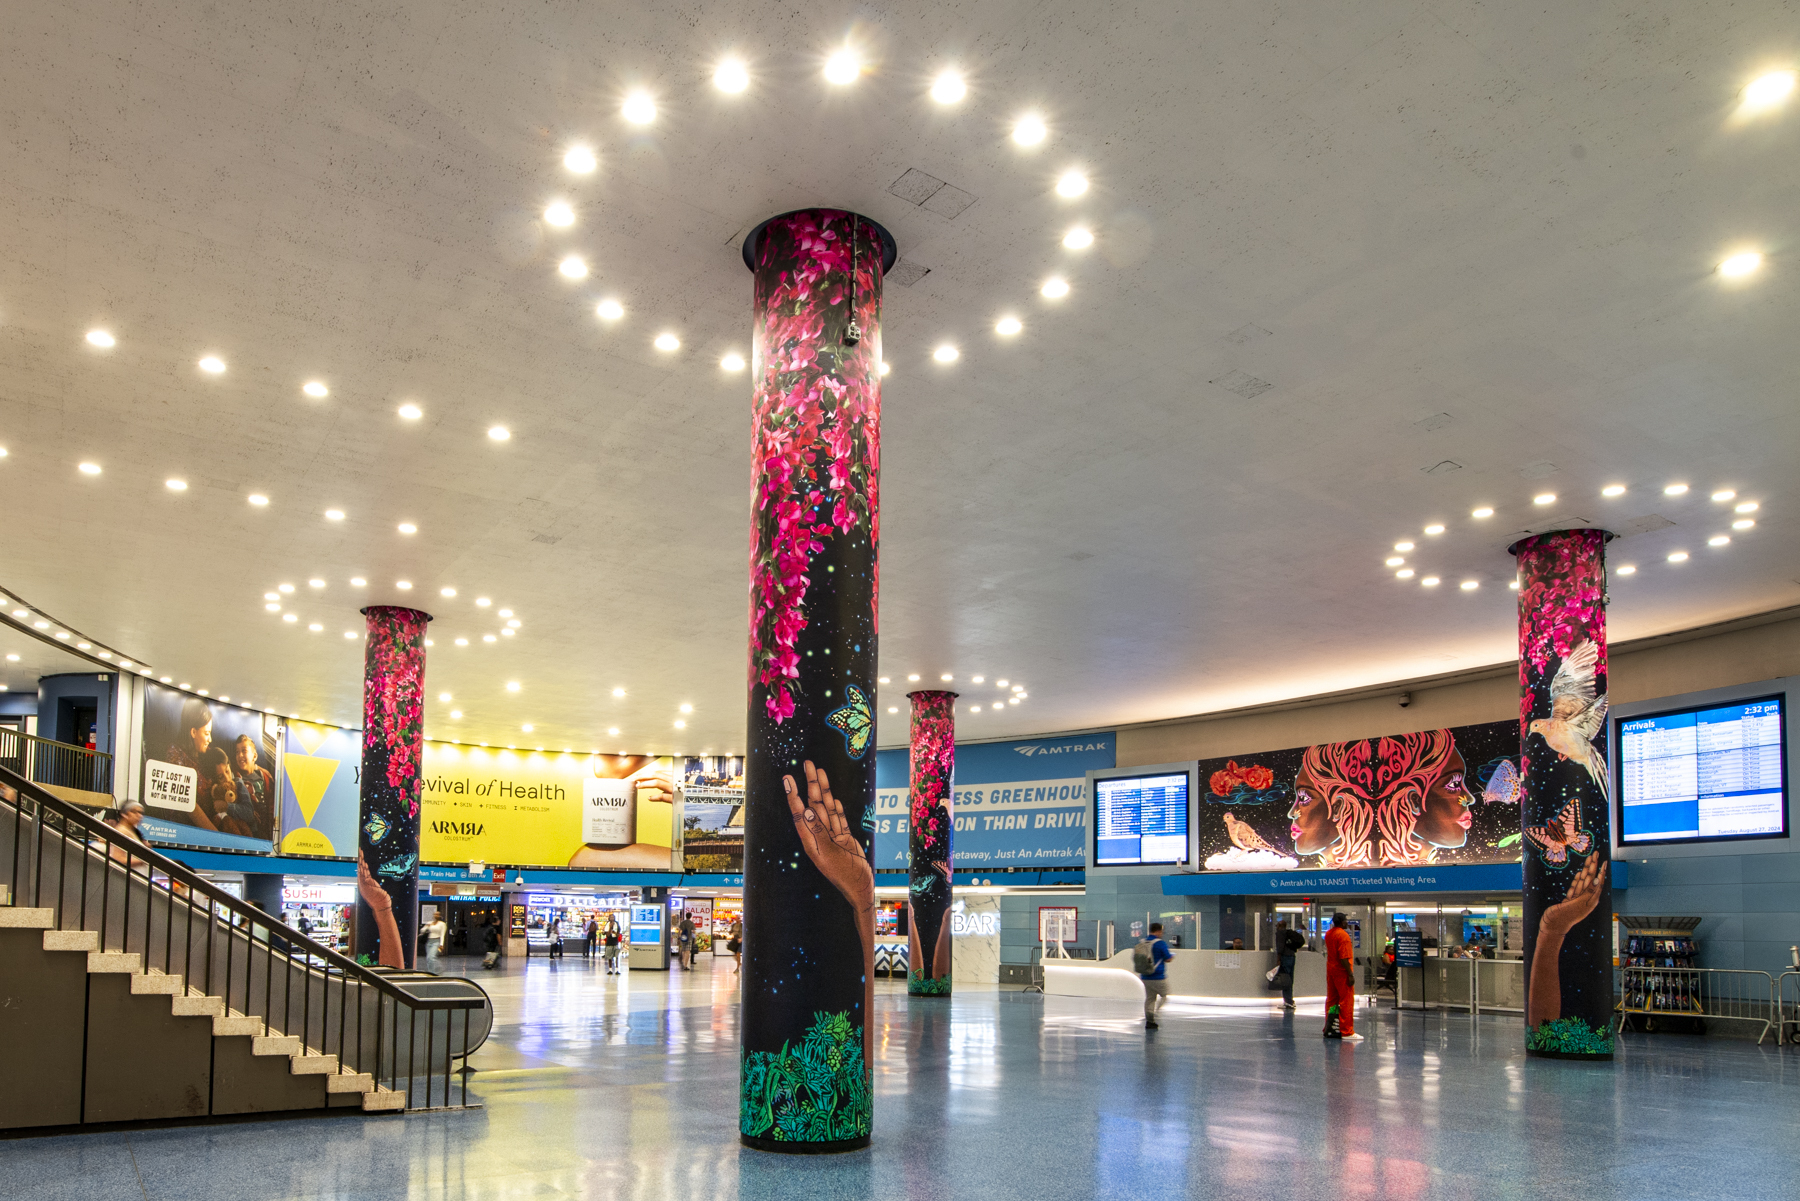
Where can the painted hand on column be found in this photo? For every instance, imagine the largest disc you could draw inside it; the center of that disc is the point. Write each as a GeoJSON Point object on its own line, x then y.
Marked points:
{"type": "Point", "coordinates": [826, 837]}
{"type": "Point", "coordinates": [1544, 992]}
{"type": "Point", "coordinates": [387, 930]}
{"type": "Point", "coordinates": [1577, 903]}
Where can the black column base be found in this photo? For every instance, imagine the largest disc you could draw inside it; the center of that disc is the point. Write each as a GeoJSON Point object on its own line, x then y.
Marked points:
{"type": "Point", "coordinates": [1530, 1054]}
{"type": "Point", "coordinates": [783, 1147]}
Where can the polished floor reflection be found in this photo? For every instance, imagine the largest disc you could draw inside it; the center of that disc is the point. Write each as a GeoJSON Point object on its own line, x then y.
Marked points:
{"type": "Point", "coordinates": [626, 1087]}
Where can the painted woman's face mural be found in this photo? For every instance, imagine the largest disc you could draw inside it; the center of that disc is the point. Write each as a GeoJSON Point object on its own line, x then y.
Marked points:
{"type": "Point", "coordinates": [1312, 828]}
{"type": "Point", "coordinates": [1447, 817]}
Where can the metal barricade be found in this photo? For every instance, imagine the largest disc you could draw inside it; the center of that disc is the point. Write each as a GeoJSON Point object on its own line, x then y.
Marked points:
{"type": "Point", "coordinates": [1710, 994]}
{"type": "Point", "coordinates": [1787, 1005]}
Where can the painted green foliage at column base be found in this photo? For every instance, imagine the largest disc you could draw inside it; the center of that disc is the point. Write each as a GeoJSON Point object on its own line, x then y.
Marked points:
{"type": "Point", "coordinates": [917, 985]}
{"type": "Point", "coordinates": [817, 1092]}
{"type": "Point", "coordinates": [1570, 1036]}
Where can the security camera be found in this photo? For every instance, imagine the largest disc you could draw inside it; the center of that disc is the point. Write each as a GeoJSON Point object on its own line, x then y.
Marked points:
{"type": "Point", "coordinates": [1405, 699]}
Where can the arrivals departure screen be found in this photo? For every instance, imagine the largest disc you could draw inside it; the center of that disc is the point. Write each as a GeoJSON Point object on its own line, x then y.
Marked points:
{"type": "Point", "coordinates": [1707, 773]}
{"type": "Point", "coordinates": [1141, 819]}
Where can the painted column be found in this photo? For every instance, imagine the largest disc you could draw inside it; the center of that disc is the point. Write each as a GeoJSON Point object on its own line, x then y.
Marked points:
{"type": "Point", "coordinates": [809, 787]}
{"type": "Point", "coordinates": [387, 841]}
{"type": "Point", "coordinates": [1566, 802]}
{"type": "Point", "coordinates": [930, 832]}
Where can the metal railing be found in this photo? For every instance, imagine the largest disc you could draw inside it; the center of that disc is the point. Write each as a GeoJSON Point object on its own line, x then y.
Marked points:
{"type": "Point", "coordinates": [1787, 1008]}
{"type": "Point", "coordinates": [1475, 985]}
{"type": "Point", "coordinates": [1712, 994]}
{"type": "Point", "coordinates": [56, 764]}
{"type": "Point", "coordinates": [55, 856]}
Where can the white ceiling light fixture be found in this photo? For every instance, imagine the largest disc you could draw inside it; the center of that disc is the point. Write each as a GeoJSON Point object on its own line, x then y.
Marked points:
{"type": "Point", "coordinates": [1544, 498]}
{"type": "Point", "coordinates": [1625, 569]}
{"type": "Point", "coordinates": [407, 527]}
{"type": "Point", "coordinates": [482, 602]}
{"type": "Point", "coordinates": [1769, 91]}
{"type": "Point", "coordinates": [102, 339]}
{"type": "Point", "coordinates": [274, 596]}
{"type": "Point", "coordinates": [1431, 581]}
{"type": "Point", "coordinates": [686, 708]}
{"type": "Point", "coordinates": [1679, 556]}
{"type": "Point", "coordinates": [88, 468]}
{"type": "Point", "coordinates": [1719, 540]}
{"type": "Point", "coordinates": [1748, 506]}
{"type": "Point", "coordinates": [403, 585]}
{"type": "Point", "coordinates": [1434, 530]}
{"type": "Point", "coordinates": [212, 364]}
{"type": "Point", "coordinates": [1006, 327]}
{"type": "Point", "coordinates": [639, 108]}
{"type": "Point", "coordinates": [913, 678]}
{"type": "Point", "coordinates": [258, 499]}
{"type": "Point", "coordinates": [175, 485]}
{"type": "Point", "coordinates": [609, 310]}
{"type": "Point", "coordinates": [446, 592]}
{"type": "Point", "coordinates": [512, 685]}
{"type": "Point", "coordinates": [526, 728]}
{"type": "Point", "coordinates": [315, 627]}
{"type": "Point", "coordinates": [667, 342]}
{"type": "Point", "coordinates": [1403, 547]}
{"type": "Point", "coordinates": [456, 714]}
{"type": "Point", "coordinates": [357, 581]}
{"type": "Point", "coordinates": [1405, 573]}
{"type": "Point", "coordinates": [1743, 523]}
{"type": "Point", "coordinates": [349, 633]}
{"type": "Point", "coordinates": [1482, 513]}
{"type": "Point", "coordinates": [946, 353]}
{"type": "Point", "coordinates": [573, 268]}
{"type": "Point", "coordinates": [1395, 561]}
{"type": "Point", "coordinates": [1079, 238]}
{"type": "Point", "coordinates": [560, 214]}
{"type": "Point", "coordinates": [506, 612]}
{"type": "Point", "coordinates": [580, 160]}
{"type": "Point", "coordinates": [886, 367]}
{"type": "Point", "coordinates": [1739, 265]}
{"type": "Point", "coordinates": [680, 725]}
{"type": "Point", "coordinates": [1724, 494]}
{"type": "Point", "coordinates": [618, 692]}
{"type": "Point", "coordinates": [949, 87]}
{"type": "Point", "coordinates": [290, 617]}
{"type": "Point", "coordinates": [732, 362]}
{"type": "Point", "coordinates": [1613, 490]}
{"type": "Point", "coordinates": [315, 583]}
{"type": "Point", "coordinates": [1055, 288]}
{"type": "Point", "coordinates": [731, 75]}
{"type": "Point", "coordinates": [334, 514]}
{"type": "Point", "coordinates": [1029, 130]}
{"type": "Point", "coordinates": [315, 389]}
{"type": "Point", "coordinates": [499, 433]}
{"type": "Point", "coordinates": [1469, 585]}
{"type": "Point", "coordinates": [1071, 185]}
{"type": "Point", "coordinates": [489, 638]}
{"type": "Point", "coordinates": [462, 642]}
{"type": "Point", "coordinates": [506, 633]}
{"type": "Point", "coordinates": [273, 606]}
{"type": "Point", "coordinates": [514, 624]}
{"type": "Point", "coordinates": [843, 67]}
{"type": "Point", "coordinates": [1675, 490]}
{"type": "Point", "coordinates": [613, 731]}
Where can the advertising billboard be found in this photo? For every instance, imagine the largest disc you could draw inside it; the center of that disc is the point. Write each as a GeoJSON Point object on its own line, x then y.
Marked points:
{"type": "Point", "coordinates": [321, 770]}
{"type": "Point", "coordinates": [712, 813]}
{"type": "Point", "coordinates": [1016, 804]}
{"type": "Point", "coordinates": [209, 772]}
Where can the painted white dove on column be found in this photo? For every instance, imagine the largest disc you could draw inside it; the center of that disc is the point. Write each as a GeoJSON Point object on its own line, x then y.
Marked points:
{"type": "Point", "coordinates": [1576, 713]}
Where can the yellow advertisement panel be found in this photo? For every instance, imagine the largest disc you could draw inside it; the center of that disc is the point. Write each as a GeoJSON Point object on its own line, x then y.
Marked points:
{"type": "Point", "coordinates": [547, 809]}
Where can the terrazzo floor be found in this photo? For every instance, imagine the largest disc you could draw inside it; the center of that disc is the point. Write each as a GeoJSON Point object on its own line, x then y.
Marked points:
{"type": "Point", "coordinates": [626, 1087]}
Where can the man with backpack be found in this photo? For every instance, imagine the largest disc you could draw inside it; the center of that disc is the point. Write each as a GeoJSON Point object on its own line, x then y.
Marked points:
{"type": "Point", "coordinates": [490, 942]}
{"type": "Point", "coordinates": [1149, 959]}
{"type": "Point", "coordinates": [1288, 945]}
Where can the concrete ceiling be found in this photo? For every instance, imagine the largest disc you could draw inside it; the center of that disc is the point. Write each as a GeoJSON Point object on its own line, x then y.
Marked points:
{"type": "Point", "coordinates": [1479, 236]}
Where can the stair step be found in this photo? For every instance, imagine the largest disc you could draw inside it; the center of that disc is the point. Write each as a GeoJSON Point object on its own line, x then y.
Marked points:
{"type": "Point", "coordinates": [194, 1006]}
{"type": "Point", "coordinates": [122, 963]}
{"type": "Point", "coordinates": [314, 1065]}
{"type": "Point", "coordinates": [17, 917]}
{"type": "Point", "coordinates": [157, 984]}
{"type": "Point", "coordinates": [71, 940]}
{"type": "Point", "coordinates": [383, 1099]}
{"type": "Point", "coordinates": [227, 1024]}
{"type": "Point", "coordinates": [275, 1044]}
{"type": "Point", "coordinates": [350, 1082]}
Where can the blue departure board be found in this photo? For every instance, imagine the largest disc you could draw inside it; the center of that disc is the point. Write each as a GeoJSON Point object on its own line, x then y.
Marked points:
{"type": "Point", "coordinates": [1141, 820]}
{"type": "Point", "coordinates": [1718, 772]}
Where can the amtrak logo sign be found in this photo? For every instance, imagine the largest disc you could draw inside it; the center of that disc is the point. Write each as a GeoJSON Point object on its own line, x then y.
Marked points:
{"type": "Point", "coordinates": [1068, 748]}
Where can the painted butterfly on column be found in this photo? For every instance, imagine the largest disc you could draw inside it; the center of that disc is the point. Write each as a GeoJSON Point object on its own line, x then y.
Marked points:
{"type": "Point", "coordinates": [854, 721]}
{"type": "Point", "coordinates": [1561, 836]}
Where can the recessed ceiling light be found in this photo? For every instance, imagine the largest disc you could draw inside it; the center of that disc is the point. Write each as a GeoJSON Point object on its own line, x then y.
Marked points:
{"type": "Point", "coordinates": [1403, 547]}
{"type": "Point", "coordinates": [512, 685]}
{"type": "Point", "coordinates": [411, 412]}
{"type": "Point", "coordinates": [462, 642]}
{"type": "Point", "coordinates": [315, 627]}
{"type": "Point", "coordinates": [667, 342]}
{"type": "Point", "coordinates": [407, 527]}
{"type": "Point", "coordinates": [1430, 581]}
{"type": "Point", "coordinates": [1405, 573]}
{"type": "Point", "coordinates": [1625, 569]}
{"type": "Point", "coordinates": [1544, 498]}
{"type": "Point", "coordinates": [1613, 490]}
{"type": "Point", "coordinates": [1719, 540]}
{"type": "Point", "coordinates": [638, 108]}
{"type": "Point", "coordinates": [732, 362]}
{"type": "Point", "coordinates": [1740, 265]}
{"type": "Point", "coordinates": [1434, 530]}
{"type": "Point", "coordinates": [946, 677]}
{"type": "Point", "coordinates": [1006, 327]}
{"type": "Point", "coordinates": [1724, 494]}
{"type": "Point", "coordinates": [257, 499]}
{"type": "Point", "coordinates": [1743, 523]}
{"type": "Point", "coordinates": [945, 353]}
{"type": "Point", "coordinates": [63, 634]}
{"type": "Point", "coordinates": [212, 365]}
{"type": "Point", "coordinates": [456, 714]}
{"type": "Point", "coordinates": [1029, 131]}
{"type": "Point", "coordinates": [446, 592]}
{"type": "Point", "coordinates": [506, 612]}
{"type": "Point", "coordinates": [288, 588]}
{"type": "Point", "coordinates": [975, 708]}
{"type": "Point", "coordinates": [618, 692]}
{"type": "Point", "coordinates": [174, 485]}
{"type": "Point", "coordinates": [613, 731]}
{"type": "Point", "coordinates": [102, 339]}
{"type": "Point", "coordinates": [357, 581]}
{"type": "Point", "coordinates": [1469, 585]}
{"type": "Point", "coordinates": [893, 709]}
{"type": "Point", "coordinates": [274, 596]}
{"type": "Point", "coordinates": [948, 88]}
{"type": "Point", "coordinates": [580, 160]}
{"type": "Point", "coordinates": [687, 708]}
{"type": "Point", "coordinates": [514, 624]}
{"type": "Point", "coordinates": [334, 514]}
{"type": "Point", "coordinates": [913, 678]}
{"type": "Point", "coordinates": [290, 617]}
{"type": "Point", "coordinates": [315, 389]}
{"type": "Point", "coordinates": [1481, 513]}
{"type": "Point", "coordinates": [403, 585]}
{"type": "Point", "coordinates": [1395, 561]}
{"type": "Point", "coordinates": [997, 683]}
{"type": "Point", "coordinates": [560, 214]}
{"type": "Point", "coordinates": [1072, 184]}
{"type": "Point", "coordinates": [506, 633]}
{"type": "Point", "coordinates": [482, 602]}
{"type": "Point", "coordinates": [609, 310]}
{"type": "Point", "coordinates": [731, 76]}
{"type": "Point", "coordinates": [1748, 506]}
{"type": "Point", "coordinates": [1766, 91]}
{"type": "Point", "coordinates": [1675, 490]}
{"type": "Point", "coordinates": [1078, 238]}
{"type": "Point", "coordinates": [680, 725]}
{"type": "Point", "coordinates": [1679, 556]}
{"type": "Point", "coordinates": [1023, 695]}
{"type": "Point", "coordinates": [89, 468]}
{"type": "Point", "coordinates": [526, 728]}
{"type": "Point", "coordinates": [1055, 287]}
{"type": "Point", "coordinates": [978, 679]}
{"type": "Point", "coordinates": [42, 625]}
{"type": "Point", "coordinates": [349, 633]}
{"type": "Point", "coordinates": [573, 268]}
{"type": "Point", "coordinates": [886, 367]}
{"type": "Point", "coordinates": [843, 67]}
{"type": "Point", "coordinates": [499, 433]}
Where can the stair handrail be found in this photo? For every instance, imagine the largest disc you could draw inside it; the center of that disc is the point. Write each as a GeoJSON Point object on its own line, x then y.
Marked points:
{"type": "Point", "coordinates": [140, 861]}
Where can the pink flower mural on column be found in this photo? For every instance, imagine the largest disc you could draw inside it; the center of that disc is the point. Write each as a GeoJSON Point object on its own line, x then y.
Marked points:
{"type": "Point", "coordinates": [931, 832]}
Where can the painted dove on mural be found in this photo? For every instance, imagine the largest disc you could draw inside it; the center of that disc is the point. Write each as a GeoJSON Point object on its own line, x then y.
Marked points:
{"type": "Point", "coordinates": [1245, 836]}
{"type": "Point", "coordinates": [1576, 713]}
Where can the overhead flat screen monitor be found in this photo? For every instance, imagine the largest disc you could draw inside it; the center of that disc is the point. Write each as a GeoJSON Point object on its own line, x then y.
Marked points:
{"type": "Point", "coordinates": [1141, 819]}
{"type": "Point", "coordinates": [1702, 774]}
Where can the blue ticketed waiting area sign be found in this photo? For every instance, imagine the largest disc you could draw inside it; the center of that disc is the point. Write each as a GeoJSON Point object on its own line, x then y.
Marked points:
{"type": "Point", "coordinates": [1462, 877]}
{"type": "Point", "coordinates": [1017, 804]}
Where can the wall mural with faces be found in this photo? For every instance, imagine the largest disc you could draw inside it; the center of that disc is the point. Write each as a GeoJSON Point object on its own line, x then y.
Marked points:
{"type": "Point", "coordinates": [1400, 800]}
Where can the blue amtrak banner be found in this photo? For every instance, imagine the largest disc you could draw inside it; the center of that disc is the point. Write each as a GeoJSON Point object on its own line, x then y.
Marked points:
{"type": "Point", "coordinates": [1017, 804]}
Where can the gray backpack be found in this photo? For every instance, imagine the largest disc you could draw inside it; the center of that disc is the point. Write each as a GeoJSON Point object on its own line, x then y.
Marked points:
{"type": "Point", "coordinates": [1143, 958]}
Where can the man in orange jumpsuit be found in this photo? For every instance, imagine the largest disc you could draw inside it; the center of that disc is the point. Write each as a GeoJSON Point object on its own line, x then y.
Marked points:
{"type": "Point", "coordinates": [1340, 993]}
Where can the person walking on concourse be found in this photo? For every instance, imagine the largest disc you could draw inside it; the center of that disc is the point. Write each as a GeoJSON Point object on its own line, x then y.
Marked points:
{"type": "Point", "coordinates": [1340, 992]}
{"type": "Point", "coordinates": [1288, 945]}
{"type": "Point", "coordinates": [1150, 960]}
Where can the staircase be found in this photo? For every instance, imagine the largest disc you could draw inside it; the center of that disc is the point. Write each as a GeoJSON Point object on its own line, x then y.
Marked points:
{"type": "Point", "coordinates": [132, 990]}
